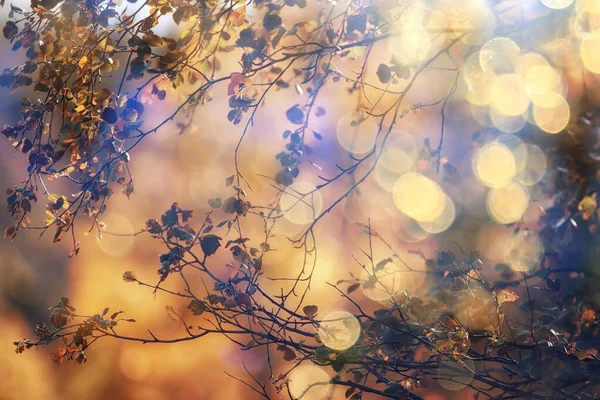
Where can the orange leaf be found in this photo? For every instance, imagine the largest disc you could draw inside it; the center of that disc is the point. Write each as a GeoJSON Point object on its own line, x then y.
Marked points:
{"type": "Point", "coordinates": [238, 16]}
{"type": "Point", "coordinates": [507, 296]}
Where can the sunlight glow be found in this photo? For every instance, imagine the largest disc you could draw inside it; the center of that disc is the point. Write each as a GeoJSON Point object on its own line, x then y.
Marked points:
{"type": "Point", "coordinates": [383, 284]}
{"type": "Point", "coordinates": [339, 330]}
{"type": "Point", "coordinates": [309, 382]}
{"type": "Point", "coordinates": [117, 246]}
{"type": "Point", "coordinates": [494, 165]}
{"type": "Point", "coordinates": [524, 251]}
{"type": "Point", "coordinates": [508, 203]}
{"type": "Point", "coordinates": [298, 207]}
{"type": "Point", "coordinates": [356, 132]}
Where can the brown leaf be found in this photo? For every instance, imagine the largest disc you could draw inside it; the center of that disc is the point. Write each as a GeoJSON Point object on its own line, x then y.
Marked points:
{"type": "Point", "coordinates": [288, 354]}
{"type": "Point", "coordinates": [242, 299]}
{"type": "Point", "coordinates": [10, 30]}
{"type": "Point", "coordinates": [59, 354]}
{"type": "Point", "coordinates": [129, 276]}
{"type": "Point", "coordinates": [384, 73]}
{"type": "Point", "coordinates": [9, 231]}
{"type": "Point", "coordinates": [311, 311]}
{"type": "Point", "coordinates": [352, 288]}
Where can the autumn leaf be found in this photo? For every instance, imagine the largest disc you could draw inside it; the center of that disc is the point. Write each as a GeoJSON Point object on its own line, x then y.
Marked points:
{"type": "Point", "coordinates": [295, 115]}
{"type": "Point", "coordinates": [586, 354]}
{"type": "Point", "coordinates": [271, 21]}
{"type": "Point", "coordinates": [238, 16]}
{"type": "Point", "coordinates": [588, 204]}
{"type": "Point", "coordinates": [506, 296]}
{"type": "Point", "coordinates": [210, 244]}
{"type": "Point", "coordinates": [10, 30]}
{"type": "Point", "coordinates": [109, 115]}
{"type": "Point", "coordinates": [10, 231]}
{"type": "Point", "coordinates": [214, 202]}
{"type": "Point", "coordinates": [129, 276]}
{"type": "Point", "coordinates": [384, 73]}
{"type": "Point", "coordinates": [353, 287]}
{"type": "Point", "coordinates": [310, 311]}
{"type": "Point", "coordinates": [242, 299]}
{"type": "Point", "coordinates": [197, 307]}
{"type": "Point", "coordinates": [173, 313]}
{"type": "Point", "coordinates": [235, 80]}
{"type": "Point", "coordinates": [288, 353]}
{"type": "Point", "coordinates": [58, 355]}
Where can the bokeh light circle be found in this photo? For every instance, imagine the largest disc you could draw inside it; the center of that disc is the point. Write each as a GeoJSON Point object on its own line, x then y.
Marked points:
{"type": "Point", "coordinates": [408, 230]}
{"type": "Point", "coordinates": [309, 382]}
{"type": "Point", "coordinates": [446, 214]}
{"type": "Point", "coordinates": [339, 330]}
{"type": "Point", "coordinates": [383, 284]}
{"type": "Point", "coordinates": [509, 94]}
{"type": "Point", "coordinates": [507, 123]}
{"type": "Point", "coordinates": [494, 165]}
{"type": "Point", "coordinates": [116, 236]}
{"type": "Point", "coordinates": [507, 204]}
{"type": "Point", "coordinates": [524, 251]}
{"type": "Point", "coordinates": [356, 132]}
{"type": "Point", "coordinates": [531, 164]}
{"type": "Point", "coordinates": [590, 56]}
{"type": "Point", "coordinates": [453, 376]}
{"type": "Point", "coordinates": [552, 116]}
{"type": "Point", "coordinates": [557, 4]}
{"type": "Point", "coordinates": [298, 206]}
{"type": "Point", "coordinates": [499, 55]}
{"type": "Point", "coordinates": [418, 196]}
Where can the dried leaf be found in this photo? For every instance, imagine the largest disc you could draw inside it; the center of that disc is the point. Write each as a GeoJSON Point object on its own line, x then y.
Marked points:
{"type": "Point", "coordinates": [506, 296]}
{"type": "Point", "coordinates": [210, 244]}
{"type": "Point", "coordinates": [384, 73]}
{"type": "Point", "coordinates": [197, 307]}
{"type": "Point", "coordinates": [129, 276]}
{"type": "Point", "coordinates": [310, 311]}
{"type": "Point", "coordinates": [288, 353]}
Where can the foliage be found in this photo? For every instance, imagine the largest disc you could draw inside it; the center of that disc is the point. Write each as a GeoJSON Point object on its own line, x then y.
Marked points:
{"type": "Point", "coordinates": [80, 124]}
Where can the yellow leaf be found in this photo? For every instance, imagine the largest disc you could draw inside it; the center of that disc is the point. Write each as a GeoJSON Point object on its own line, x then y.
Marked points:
{"type": "Point", "coordinates": [83, 61]}
{"type": "Point", "coordinates": [507, 296]}
{"type": "Point", "coordinates": [53, 197]}
{"type": "Point", "coordinates": [588, 204]}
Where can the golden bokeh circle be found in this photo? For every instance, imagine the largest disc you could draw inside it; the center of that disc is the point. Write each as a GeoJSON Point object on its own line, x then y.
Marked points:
{"type": "Point", "coordinates": [444, 219]}
{"type": "Point", "coordinates": [507, 123]}
{"type": "Point", "coordinates": [507, 204]}
{"type": "Point", "coordinates": [509, 94]}
{"type": "Point", "coordinates": [339, 330]}
{"type": "Point", "coordinates": [418, 196]}
{"type": "Point", "coordinates": [309, 382]}
{"type": "Point", "coordinates": [494, 165]}
{"type": "Point", "coordinates": [590, 56]}
{"type": "Point", "coordinates": [357, 132]}
{"type": "Point", "coordinates": [382, 285]}
{"type": "Point", "coordinates": [531, 164]}
{"type": "Point", "coordinates": [499, 55]}
{"type": "Point", "coordinates": [454, 376]}
{"type": "Point", "coordinates": [553, 115]}
{"type": "Point", "coordinates": [524, 251]}
{"type": "Point", "coordinates": [116, 236]}
{"type": "Point", "coordinates": [298, 205]}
